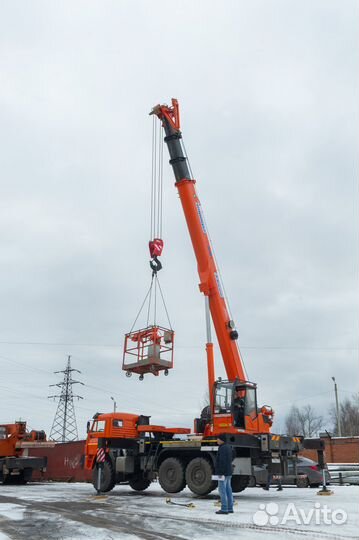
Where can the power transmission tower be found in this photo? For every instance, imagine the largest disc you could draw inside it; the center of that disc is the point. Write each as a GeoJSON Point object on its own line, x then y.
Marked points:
{"type": "Point", "coordinates": [64, 426]}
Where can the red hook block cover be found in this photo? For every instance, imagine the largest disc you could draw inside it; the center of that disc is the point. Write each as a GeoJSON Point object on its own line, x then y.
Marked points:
{"type": "Point", "coordinates": [156, 247]}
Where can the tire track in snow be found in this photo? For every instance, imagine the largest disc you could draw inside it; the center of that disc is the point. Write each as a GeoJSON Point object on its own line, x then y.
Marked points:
{"type": "Point", "coordinates": [77, 512]}
{"type": "Point", "coordinates": [235, 525]}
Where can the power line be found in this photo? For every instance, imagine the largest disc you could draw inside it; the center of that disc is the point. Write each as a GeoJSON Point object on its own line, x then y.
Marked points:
{"type": "Point", "coordinates": [303, 398]}
{"type": "Point", "coordinates": [12, 361]}
{"type": "Point", "coordinates": [118, 346]}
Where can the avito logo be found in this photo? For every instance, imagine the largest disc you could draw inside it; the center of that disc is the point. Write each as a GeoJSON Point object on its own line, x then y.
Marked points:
{"type": "Point", "coordinates": [317, 515]}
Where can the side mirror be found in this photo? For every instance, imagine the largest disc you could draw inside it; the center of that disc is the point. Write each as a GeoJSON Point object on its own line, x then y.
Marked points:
{"type": "Point", "coordinates": [88, 426]}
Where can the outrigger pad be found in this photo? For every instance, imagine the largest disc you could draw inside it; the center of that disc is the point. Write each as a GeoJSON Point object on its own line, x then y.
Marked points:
{"type": "Point", "coordinates": [149, 350]}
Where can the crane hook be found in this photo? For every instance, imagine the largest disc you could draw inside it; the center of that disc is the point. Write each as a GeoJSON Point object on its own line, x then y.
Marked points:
{"type": "Point", "coordinates": [156, 247]}
{"type": "Point", "coordinates": [155, 265]}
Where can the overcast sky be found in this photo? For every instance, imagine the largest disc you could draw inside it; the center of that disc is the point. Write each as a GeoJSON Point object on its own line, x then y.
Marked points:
{"type": "Point", "coordinates": [268, 92]}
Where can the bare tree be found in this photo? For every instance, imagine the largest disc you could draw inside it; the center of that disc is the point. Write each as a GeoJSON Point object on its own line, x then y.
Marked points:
{"type": "Point", "coordinates": [205, 399]}
{"type": "Point", "coordinates": [205, 406]}
{"type": "Point", "coordinates": [303, 421]}
{"type": "Point", "coordinates": [292, 426]}
{"type": "Point", "coordinates": [349, 417]}
{"type": "Point", "coordinates": [309, 421]}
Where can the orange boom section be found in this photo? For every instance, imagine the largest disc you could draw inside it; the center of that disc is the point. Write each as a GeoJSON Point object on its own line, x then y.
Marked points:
{"type": "Point", "coordinates": [210, 284]}
{"type": "Point", "coordinates": [209, 279]}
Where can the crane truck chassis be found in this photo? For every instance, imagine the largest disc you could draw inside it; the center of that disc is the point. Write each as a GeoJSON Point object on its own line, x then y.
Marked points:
{"type": "Point", "coordinates": [137, 453]}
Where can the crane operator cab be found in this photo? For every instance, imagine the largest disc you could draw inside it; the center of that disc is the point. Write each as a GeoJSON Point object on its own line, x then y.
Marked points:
{"type": "Point", "coordinates": [235, 406]}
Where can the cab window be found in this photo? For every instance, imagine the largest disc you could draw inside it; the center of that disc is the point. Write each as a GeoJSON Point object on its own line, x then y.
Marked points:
{"type": "Point", "coordinates": [223, 398]}
{"type": "Point", "coordinates": [250, 403]}
{"type": "Point", "coordinates": [98, 426]}
{"type": "Point", "coordinates": [117, 423]}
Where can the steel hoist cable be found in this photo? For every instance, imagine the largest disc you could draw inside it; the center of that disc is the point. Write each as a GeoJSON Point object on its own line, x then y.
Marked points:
{"type": "Point", "coordinates": [156, 224]}
{"type": "Point", "coordinates": [164, 303]}
{"type": "Point", "coordinates": [151, 298]}
{"type": "Point", "coordinates": [156, 211]}
{"type": "Point", "coordinates": [142, 306]}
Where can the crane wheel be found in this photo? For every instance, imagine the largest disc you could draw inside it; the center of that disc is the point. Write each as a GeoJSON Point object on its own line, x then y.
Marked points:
{"type": "Point", "coordinates": [128, 374]}
{"type": "Point", "coordinates": [171, 475]}
{"type": "Point", "coordinates": [14, 480]}
{"type": "Point", "coordinates": [139, 484]}
{"type": "Point", "coordinates": [239, 482]}
{"type": "Point", "coordinates": [199, 476]}
{"type": "Point", "coordinates": [141, 377]}
{"type": "Point", "coordinates": [108, 479]}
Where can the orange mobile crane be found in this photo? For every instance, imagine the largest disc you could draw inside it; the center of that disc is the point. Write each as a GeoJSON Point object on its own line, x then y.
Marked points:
{"type": "Point", "coordinates": [137, 452]}
{"type": "Point", "coordinates": [15, 466]}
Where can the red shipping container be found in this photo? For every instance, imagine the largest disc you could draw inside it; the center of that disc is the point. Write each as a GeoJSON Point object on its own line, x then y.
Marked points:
{"type": "Point", "coordinates": [65, 461]}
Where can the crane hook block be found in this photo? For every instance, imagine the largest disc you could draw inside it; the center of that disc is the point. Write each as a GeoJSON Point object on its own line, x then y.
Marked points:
{"type": "Point", "coordinates": [148, 350]}
{"type": "Point", "coordinates": [156, 247]}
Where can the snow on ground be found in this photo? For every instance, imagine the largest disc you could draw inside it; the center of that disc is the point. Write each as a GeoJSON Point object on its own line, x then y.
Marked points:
{"type": "Point", "coordinates": [12, 511]}
{"type": "Point", "coordinates": [74, 511]}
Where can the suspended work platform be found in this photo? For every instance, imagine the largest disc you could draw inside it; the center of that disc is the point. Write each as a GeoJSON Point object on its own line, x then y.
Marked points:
{"type": "Point", "coordinates": [149, 350]}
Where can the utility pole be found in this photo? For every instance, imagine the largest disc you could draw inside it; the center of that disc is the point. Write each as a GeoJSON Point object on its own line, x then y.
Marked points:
{"type": "Point", "coordinates": [64, 426]}
{"type": "Point", "coordinates": [337, 407]}
{"type": "Point", "coordinates": [114, 404]}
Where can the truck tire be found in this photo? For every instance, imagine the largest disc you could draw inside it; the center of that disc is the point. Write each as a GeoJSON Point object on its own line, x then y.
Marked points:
{"type": "Point", "coordinates": [24, 477]}
{"type": "Point", "coordinates": [27, 475]}
{"type": "Point", "coordinates": [199, 476]}
{"type": "Point", "coordinates": [239, 482]}
{"type": "Point", "coordinates": [14, 479]}
{"type": "Point", "coordinates": [171, 475]}
{"type": "Point", "coordinates": [108, 480]}
{"type": "Point", "coordinates": [21, 480]}
{"type": "Point", "coordinates": [138, 483]}
{"type": "Point", "coordinates": [9, 480]}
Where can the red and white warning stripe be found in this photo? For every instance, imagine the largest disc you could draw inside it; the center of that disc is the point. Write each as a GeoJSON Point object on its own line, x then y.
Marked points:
{"type": "Point", "coordinates": [100, 455]}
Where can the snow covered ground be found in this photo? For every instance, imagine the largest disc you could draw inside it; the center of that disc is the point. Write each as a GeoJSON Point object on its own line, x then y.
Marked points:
{"type": "Point", "coordinates": [73, 512]}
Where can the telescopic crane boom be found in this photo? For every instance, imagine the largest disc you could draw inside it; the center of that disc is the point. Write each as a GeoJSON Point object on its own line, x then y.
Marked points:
{"type": "Point", "coordinates": [210, 283]}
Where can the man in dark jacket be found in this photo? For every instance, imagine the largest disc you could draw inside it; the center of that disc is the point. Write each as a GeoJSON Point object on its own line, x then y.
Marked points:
{"type": "Point", "coordinates": [224, 471]}
{"type": "Point", "coordinates": [238, 404]}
